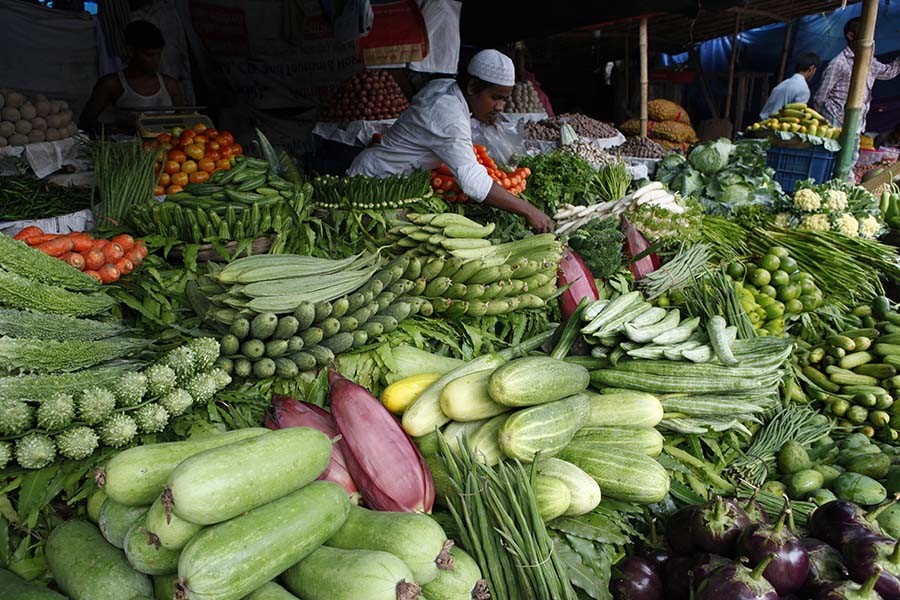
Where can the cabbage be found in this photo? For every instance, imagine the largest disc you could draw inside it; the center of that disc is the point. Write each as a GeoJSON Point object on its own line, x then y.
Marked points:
{"type": "Point", "coordinates": [689, 182]}
{"type": "Point", "coordinates": [711, 157]}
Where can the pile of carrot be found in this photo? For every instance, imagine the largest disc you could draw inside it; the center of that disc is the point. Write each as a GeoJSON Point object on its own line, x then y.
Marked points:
{"type": "Point", "coordinates": [104, 260]}
{"type": "Point", "coordinates": [445, 185]}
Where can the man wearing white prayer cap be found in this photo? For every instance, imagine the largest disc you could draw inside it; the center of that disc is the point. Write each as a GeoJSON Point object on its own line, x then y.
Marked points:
{"type": "Point", "coordinates": [436, 128]}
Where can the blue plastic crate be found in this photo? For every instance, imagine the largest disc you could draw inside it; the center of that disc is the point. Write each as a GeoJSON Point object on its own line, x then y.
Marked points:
{"type": "Point", "coordinates": [796, 164]}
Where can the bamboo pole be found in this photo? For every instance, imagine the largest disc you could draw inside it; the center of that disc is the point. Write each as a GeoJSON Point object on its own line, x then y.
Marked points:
{"type": "Point", "coordinates": [645, 83]}
{"type": "Point", "coordinates": [863, 51]}
{"type": "Point", "coordinates": [734, 49]}
{"type": "Point", "coordinates": [785, 52]}
{"type": "Point", "coordinates": [627, 67]}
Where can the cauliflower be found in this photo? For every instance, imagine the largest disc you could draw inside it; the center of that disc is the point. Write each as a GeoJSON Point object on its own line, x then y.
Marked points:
{"type": "Point", "coordinates": [835, 200]}
{"type": "Point", "coordinates": [847, 224]}
{"type": "Point", "coordinates": [783, 220]}
{"type": "Point", "coordinates": [815, 223]}
{"type": "Point", "coordinates": [807, 200]}
{"type": "Point", "coordinates": [869, 227]}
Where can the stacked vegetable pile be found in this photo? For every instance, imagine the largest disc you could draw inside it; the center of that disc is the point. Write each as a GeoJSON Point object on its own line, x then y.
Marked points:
{"type": "Point", "coordinates": [833, 206]}
{"type": "Point", "coordinates": [104, 260]}
{"type": "Point", "coordinates": [368, 95]}
{"type": "Point", "coordinates": [24, 121]}
{"type": "Point", "coordinates": [370, 193]}
{"type": "Point", "coordinates": [798, 118]}
{"type": "Point", "coordinates": [446, 186]}
{"type": "Point", "coordinates": [524, 99]}
{"type": "Point", "coordinates": [246, 202]}
{"type": "Point", "coordinates": [641, 148]}
{"type": "Point", "coordinates": [588, 152]}
{"type": "Point", "coordinates": [562, 177]}
{"type": "Point", "coordinates": [584, 126]}
{"type": "Point", "coordinates": [191, 156]}
{"type": "Point", "coordinates": [669, 125]}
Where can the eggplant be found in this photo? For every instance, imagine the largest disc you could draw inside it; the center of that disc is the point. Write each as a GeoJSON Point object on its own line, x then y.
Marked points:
{"type": "Point", "coordinates": [849, 590]}
{"type": "Point", "coordinates": [717, 525]}
{"type": "Point", "coordinates": [866, 554]}
{"type": "Point", "coordinates": [837, 522]}
{"type": "Point", "coordinates": [678, 576]}
{"type": "Point", "coordinates": [639, 580]}
{"type": "Point", "coordinates": [788, 569]}
{"type": "Point", "coordinates": [654, 549]}
{"type": "Point", "coordinates": [753, 509]}
{"type": "Point", "coordinates": [678, 532]}
{"type": "Point", "coordinates": [736, 582]}
{"type": "Point", "coordinates": [826, 565]}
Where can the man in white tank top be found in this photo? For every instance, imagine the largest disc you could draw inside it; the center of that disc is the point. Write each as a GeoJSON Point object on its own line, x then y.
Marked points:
{"type": "Point", "coordinates": [138, 86]}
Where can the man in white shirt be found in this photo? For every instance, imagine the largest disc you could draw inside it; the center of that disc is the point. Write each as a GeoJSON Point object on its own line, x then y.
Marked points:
{"type": "Point", "coordinates": [794, 88]}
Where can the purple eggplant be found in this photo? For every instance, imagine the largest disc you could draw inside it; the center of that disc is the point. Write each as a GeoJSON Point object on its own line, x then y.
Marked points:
{"type": "Point", "coordinates": [788, 570]}
{"type": "Point", "coordinates": [678, 576]}
{"type": "Point", "coordinates": [678, 531]}
{"type": "Point", "coordinates": [737, 582]}
{"type": "Point", "coordinates": [865, 555]}
{"type": "Point", "coordinates": [753, 509]}
{"type": "Point", "coordinates": [849, 590]}
{"type": "Point", "coordinates": [654, 548]}
{"type": "Point", "coordinates": [705, 564]}
{"type": "Point", "coordinates": [717, 525]}
{"type": "Point", "coordinates": [639, 580]}
{"type": "Point", "coordinates": [837, 522]}
{"type": "Point", "coordinates": [826, 565]}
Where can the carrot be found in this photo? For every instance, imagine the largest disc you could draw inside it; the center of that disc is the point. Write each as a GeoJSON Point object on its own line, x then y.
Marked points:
{"type": "Point", "coordinates": [30, 231]}
{"type": "Point", "coordinates": [56, 247]}
{"type": "Point", "coordinates": [94, 274]}
{"type": "Point", "coordinates": [74, 259]}
{"type": "Point", "coordinates": [81, 241]}
{"type": "Point", "coordinates": [124, 240]}
{"type": "Point", "coordinates": [94, 259]}
{"type": "Point", "coordinates": [113, 252]}
{"type": "Point", "coordinates": [125, 266]}
{"type": "Point", "coordinates": [99, 244]}
{"type": "Point", "coordinates": [109, 273]}
{"type": "Point", "coordinates": [40, 239]}
{"type": "Point", "coordinates": [134, 255]}
{"type": "Point", "coordinates": [142, 245]}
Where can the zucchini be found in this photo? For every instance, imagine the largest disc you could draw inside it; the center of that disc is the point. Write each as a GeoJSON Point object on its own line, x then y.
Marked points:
{"type": "Point", "coordinates": [545, 429]}
{"type": "Point", "coordinates": [467, 399]}
{"type": "Point", "coordinates": [624, 409]}
{"type": "Point", "coordinates": [335, 574]}
{"type": "Point", "coordinates": [553, 497]}
{"type": "Point", "coordinates": [13, 587]}
{"type": "Point", "coordinates": [146, 555]}
{"type": "Point", "coordinates": [138, 475]}
{"type": "Point", "coordinates": [535, 380]}
{"type": "Point", "coordinates": [463, 582]}
{"type": "Point", "coordinates": [415, 538]}
{"type": "Point", "coordinates": [116, 519]}
{"type": "Point", "coordinates": [269, 591]}
{"type": "Point", "coordinates": [86, 567]}
{"type": "Point", "coordinates": [622, 474]}
{"type": "Point", "coordinates": [645, 440]}
{"type": "Point", "coordinates": [584, 492]}
{"type": "Point", "coordinates": [225, 482]}
{"type": "Point", "coordinates": [172, 532]}
{"type": "Point", "coordinates": [234, 558]}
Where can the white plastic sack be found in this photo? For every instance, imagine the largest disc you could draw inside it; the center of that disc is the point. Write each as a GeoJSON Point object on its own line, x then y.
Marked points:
{"type": "Point", "coordinates": [502, 139]}
{"type": "Point", "coordinates": [83, 220]}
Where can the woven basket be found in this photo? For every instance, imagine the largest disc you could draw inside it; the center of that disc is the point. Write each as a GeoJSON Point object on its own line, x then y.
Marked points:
{"type": "Point", "coordinates": [208, 253]}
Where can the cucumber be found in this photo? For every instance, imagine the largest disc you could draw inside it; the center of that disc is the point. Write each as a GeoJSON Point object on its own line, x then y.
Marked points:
{"type": "Point", "coordinates": [146, 555]}
{"type": "Point", "coordinates": [116, 519]}
{"type": "Point", "coordinates": [456, 431]}
{"type": "Point", "coordinates": [467, 399]}
{"type": "Point", "coordinates": [240, 328]}
{"type": "Point", "coordinates": [544, 429]}
{"type": "Point", "coordinates": [536, 380]}
{"type": "Point", "coordinates": [295, 344]}
{"type": "Point", "coordinates": [13, 587]}
{"type": "Point", "coordinates": [172, 532]}
{"type": "Point", "coordinates": [820, 496]}
{"type": "Point", "coordinates": [552, 497]}
{"type": "Point", "coordinates": [286, 368]}
{"type": "Point", "coordinates": [270, 591]}
{"type": "Point", "coordinates": [287, 327]}
{"type": "Point", "coordinates": [584, 492]}
{"type": "Point", "coordinates": [253, 348]}
{"type": "Point", "coordinates": [276, 348]}
{"type": "Point", "coordinates": [138, 475]}
{"type": "Point", "coordinates": [243, 367]}
{"type": "Point", "coordinates": [323, 310]}
{"type": "Point", "coordinates": [857, 488]}
{"type": "Point", "coordinates": [263, 368]}
{"type": "Point", "coordinates": [312, 336]}
{"type": "Point", "coordinates": [94, 504]}
{"type": "Point", "coordinates": [329, 327]}
{"type": "Point", "coordinates": [234, 558]}
{"type": "Point", "coordinates": [322, 355]}
{"type": "Point", "coordinates": [622, 474]}
{"type": "Point", "coordinates": [463, 582]}
{"type": "Point", "coordinates": [339, 343]}
{"type": "Point", "coordinates": [335, 574]}
{"type": "Point", "coordinates": [415, 538]}
{"type": "Point", "coordinates": [625, 409]}
{"type": "Point", "coordinates": [877, 370]}
{"type": "Point", "coordinates": [645, 440]}
{"type": "Point", "coordinates": [263, 325]}
{"type": "Point", "coordinates": [484, 442]}
{"type": "Point", "coordinates": [305, 315]}
{"type": "Point", "coordinates": [224, 482]}
{"type": "Point", "coordinates": [229, 344]}
{"type": "Point", "coordinates": [86, 567]}
{"type": "Point", "coordinates": [303, 360]}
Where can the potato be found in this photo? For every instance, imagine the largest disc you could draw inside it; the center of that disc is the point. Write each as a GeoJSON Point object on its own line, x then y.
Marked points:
{"type": "Point", "coordinates": [23, 127]}
{"type": "Point", "coordinates": [36, 136]}
{"type": "Point", "coordinates": [39, 123]}
{"type": "Point", "coordinates": [54, 107]}
{"type": "Point", "coordinates": [52, 135]}
{"type": "Point", "coordinates": [65, 117]}
{"type": "Point", "coordinates": [7, 128]}
{"type": "Point", "coordinates": [63, 106]}
{"type": "Point", "coordinates": [28, 111]}
{"type": "Point", "coordinates": [17, 139]}
{"type": "Point", "coordinates": [3, 142]}
{"type": "Point", "coordinates": [42, 105]}
{"type": "Point", "coordinates": [71, 129]}
{"type": "Point", "coordinates": [15, 99]}
{"type": "Point", "coordinates": [10, 114]}
{"type": "Point", "coordinates": [53, 121]}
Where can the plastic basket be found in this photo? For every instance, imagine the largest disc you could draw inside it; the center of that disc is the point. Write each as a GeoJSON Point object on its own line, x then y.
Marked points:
{"type": "Point", "coordinates": [796, 164]}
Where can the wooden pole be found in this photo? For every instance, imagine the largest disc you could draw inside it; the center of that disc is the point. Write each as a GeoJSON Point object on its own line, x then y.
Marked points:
{"type": "Point", "coordinates": [645, 82]}
{"type": "Point", "coordinates": [627, 67]}
{"type": "Point", "coordinates": [520, 60]}
{"type": "Point", "coordinates": [694, 55]}
{"type": "Point", "coordinates": [863, 51]}
{"type": "Point", "coordinates": [788, 32]}
{"type": "Point", "coordinates": [734, 49]}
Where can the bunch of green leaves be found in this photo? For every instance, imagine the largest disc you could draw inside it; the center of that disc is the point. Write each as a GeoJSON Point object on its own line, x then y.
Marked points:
{"type": "Point", "coordinates": [559, 178]}
{"type": "Point", "coordinates": [715, 294]}
{"type": "Point", "coordinates": [726, 238]}
{"type": "Point", "coordinates": [668, 230]}
{"type": "Point", "coordinates": [599, 243]}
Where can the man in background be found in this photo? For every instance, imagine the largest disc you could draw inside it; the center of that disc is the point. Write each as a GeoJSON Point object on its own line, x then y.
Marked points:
{"type": "Point", "coordinates": [794, 88]}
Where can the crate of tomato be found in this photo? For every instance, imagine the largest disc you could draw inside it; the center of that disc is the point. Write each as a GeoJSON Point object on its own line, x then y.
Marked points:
{"type": "Point", "coordinates": [191, 156]}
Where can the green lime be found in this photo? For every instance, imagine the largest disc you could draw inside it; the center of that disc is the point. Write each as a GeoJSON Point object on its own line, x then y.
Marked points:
{"type": "Point", "coordinates": [736, 270]}
{"type": "Point", "coordinates": [775, 325]}
{"type": "Point", "coordinates": [765, 301]}
{"type": "Point", "coordinates": [808, 301]}
{"type": "Point", "coordinates": [754, 318]}
{"type": "Point", "coordinates": [662, 301]}
{"type": "Point", "coordinates": [779, 251]}
{"type": "Point", "coordinates": [760, 277]}
{"type": "Point", "coordinates": [794, 306]}
{"type": "Point", "coordinates": [762, 331]}
{"type": "Point", "coordinates": [677, 297]}
{"type": "Point", "coordinates": [820, 299]}
{"type": "Point", "coordinates": [780, 278]}
{"type": "Point", "coordinates": [774, 310]}
{"type": "Point", "coordinates": [770, 262]}
{"type": "Point", "coordinates": [808, 286]}
{"type": "Point", "coordinates": [788, 292]}
{"type": "Point", "coordinates": [789, 264]}
{"type": "Point", "coordinates": [748, 307]}
{"type": "Point", "coordinates": [768, 290]}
